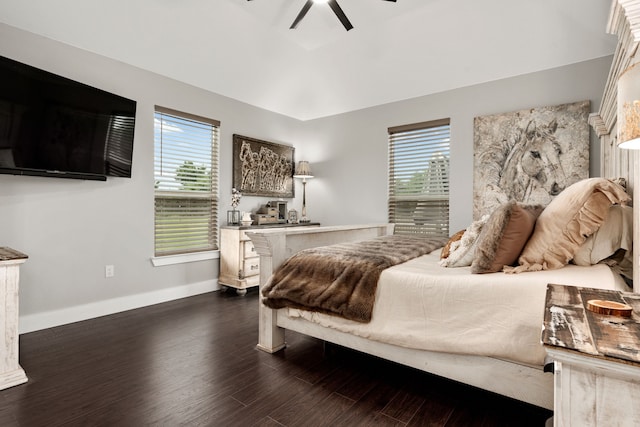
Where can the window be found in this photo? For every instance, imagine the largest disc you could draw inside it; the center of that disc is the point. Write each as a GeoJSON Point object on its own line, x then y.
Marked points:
{"type": "Point", "coordinates": [419, 178]}
{"type": "Point", "coordinates": [186, 183]}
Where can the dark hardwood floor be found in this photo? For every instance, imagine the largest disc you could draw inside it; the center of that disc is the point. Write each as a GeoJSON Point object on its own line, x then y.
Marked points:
{"type": "Point", "coordinates": [194, 362]}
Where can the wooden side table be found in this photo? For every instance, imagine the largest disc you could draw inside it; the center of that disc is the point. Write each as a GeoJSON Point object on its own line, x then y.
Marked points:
{"type": "Point", "coordinates": [10, 371]}
{"type": "Point", "coordinates": [597, 358]}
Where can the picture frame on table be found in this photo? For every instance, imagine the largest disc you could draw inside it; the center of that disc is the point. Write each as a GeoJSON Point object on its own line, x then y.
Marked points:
{"type": "Point", "coordinates": [292, 216]}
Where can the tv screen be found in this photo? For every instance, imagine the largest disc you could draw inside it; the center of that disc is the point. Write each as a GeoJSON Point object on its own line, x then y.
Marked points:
{"type": "Point", "coordinates": [54, 126]}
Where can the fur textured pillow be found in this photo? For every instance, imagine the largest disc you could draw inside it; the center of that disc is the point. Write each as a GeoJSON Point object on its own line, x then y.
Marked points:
{"type": "Point", "coordinates": [461, 251]}
{"type": "Point", "coordinates": [503, 236]}
{"type": "Point", "coordinates": [447, 248]}
{"type": "Point", "coordinates": [564, 225]}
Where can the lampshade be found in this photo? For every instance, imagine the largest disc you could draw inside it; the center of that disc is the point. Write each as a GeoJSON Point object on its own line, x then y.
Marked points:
{"type": "Point", "coordinates": [629, 108]}
{"type": "Point", "coordinates": [303, 170]}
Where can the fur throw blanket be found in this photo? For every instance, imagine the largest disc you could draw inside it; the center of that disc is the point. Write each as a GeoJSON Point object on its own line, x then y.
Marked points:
{"type": "Point", "coordinates": [342, 279]}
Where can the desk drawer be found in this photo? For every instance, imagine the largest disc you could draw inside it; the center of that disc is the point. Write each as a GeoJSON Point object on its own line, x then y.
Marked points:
{"type": "Point", "coordinates": [249, 250]}
{"type": "Point", "coordinates": [251, 267]}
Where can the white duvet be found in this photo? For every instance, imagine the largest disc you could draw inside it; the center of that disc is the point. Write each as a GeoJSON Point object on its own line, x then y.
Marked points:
{"type": "Point", "coordinates": [422, 305]}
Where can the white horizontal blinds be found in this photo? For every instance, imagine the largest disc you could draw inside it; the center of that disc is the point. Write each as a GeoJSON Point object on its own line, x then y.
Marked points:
{"type": "Point", "coordinates": [118, 148]}
{"type": "Point", "coordinates": [419, 178]}
{"type": "Point", "coordinates": [186, 180]}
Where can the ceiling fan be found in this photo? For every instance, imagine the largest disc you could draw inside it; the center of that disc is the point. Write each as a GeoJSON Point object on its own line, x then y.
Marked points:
{"type": "Point", "coordinates": [333, 4]}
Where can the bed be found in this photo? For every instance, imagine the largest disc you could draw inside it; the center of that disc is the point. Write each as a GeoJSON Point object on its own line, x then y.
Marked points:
{"type": "Point", "coordinates": [480, 329]}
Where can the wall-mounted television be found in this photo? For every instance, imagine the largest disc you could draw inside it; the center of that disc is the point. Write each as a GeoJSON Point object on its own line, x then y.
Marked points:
{"type": "Point", "coordinates": [54, 126]}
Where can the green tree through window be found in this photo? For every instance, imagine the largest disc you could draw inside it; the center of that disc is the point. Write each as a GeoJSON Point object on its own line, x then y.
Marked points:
{"type": "Point", "coordinates": [193, 177]}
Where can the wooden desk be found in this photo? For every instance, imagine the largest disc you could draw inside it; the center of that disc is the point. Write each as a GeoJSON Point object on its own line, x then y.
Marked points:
{"type": "Point", "coordinates": [239, 261]}
{"type": "Point", "coordinates": [597, 358]}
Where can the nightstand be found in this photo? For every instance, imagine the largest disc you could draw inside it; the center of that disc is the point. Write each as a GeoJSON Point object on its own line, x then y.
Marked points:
{"type": "Point", "coordinates": [596, 358]}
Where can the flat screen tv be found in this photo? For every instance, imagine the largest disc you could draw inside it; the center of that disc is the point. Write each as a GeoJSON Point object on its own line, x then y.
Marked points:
{"type": "Point", "coordinates": [53, 126]}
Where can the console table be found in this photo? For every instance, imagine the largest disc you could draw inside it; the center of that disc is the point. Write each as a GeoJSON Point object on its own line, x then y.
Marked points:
{"type": "Point", "coordinates": [11, 373]}
{"type": "Point", "coordinates": [239, 261]}
{"type": "Point", "coordinates": [597, 357]}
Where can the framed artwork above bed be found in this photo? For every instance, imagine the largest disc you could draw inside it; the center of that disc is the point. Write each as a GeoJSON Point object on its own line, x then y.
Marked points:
{"type": "Point", "coordinates": [529, 156]}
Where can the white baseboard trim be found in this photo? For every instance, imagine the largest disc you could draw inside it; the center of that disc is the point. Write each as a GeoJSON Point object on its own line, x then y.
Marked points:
{"type": "Point", "coordinates": [49, 319]}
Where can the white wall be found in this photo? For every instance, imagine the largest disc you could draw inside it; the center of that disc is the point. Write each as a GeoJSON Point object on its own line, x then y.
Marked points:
{"type": "Point", "coordinates": [349, 151]}
{"type": "Point", "coordinates": [72, 229]}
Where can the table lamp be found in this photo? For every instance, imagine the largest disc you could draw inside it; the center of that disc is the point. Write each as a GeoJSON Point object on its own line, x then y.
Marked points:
{"type": "Point", "coordinates": [303, 171]}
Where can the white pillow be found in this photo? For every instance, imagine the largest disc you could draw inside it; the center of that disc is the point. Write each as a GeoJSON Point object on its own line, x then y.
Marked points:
{"type": "Point", "coordinates": [616, 232]}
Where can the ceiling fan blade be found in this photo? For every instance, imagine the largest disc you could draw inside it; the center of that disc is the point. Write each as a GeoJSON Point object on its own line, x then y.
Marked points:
{"type": "Point", "coordinates": [340, 14]}
{"type": "Point", "coordinates": [302, 13]}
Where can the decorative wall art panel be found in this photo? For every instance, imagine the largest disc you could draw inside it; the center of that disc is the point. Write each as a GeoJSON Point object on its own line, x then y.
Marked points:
{"type": "Point", "coordinates": [262, 168]}
{"type": "Point", "coordinates": [529, 155]}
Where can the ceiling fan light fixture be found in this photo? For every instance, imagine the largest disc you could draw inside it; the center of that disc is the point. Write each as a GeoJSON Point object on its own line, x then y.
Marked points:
{"type": "Point", "coordinates": [333, 4]}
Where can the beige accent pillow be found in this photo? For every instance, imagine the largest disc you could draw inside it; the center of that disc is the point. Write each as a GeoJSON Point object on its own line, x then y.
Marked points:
{"type": "Point", "coordinates": [564, 225]}
{"type": "Point", "coordinates": [503, 236]}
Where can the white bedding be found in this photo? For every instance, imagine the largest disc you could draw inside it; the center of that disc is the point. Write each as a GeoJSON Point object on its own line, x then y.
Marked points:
{"type": "Point", "coordinates": [422, 305]}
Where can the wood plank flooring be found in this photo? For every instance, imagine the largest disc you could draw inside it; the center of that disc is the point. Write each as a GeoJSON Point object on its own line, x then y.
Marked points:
{"type": "Point", "coordinates": [193, 362]}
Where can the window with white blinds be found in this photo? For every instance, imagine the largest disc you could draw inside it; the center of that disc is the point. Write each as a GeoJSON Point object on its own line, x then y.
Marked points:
{"type": "Point", "coordinates": [186, 182]}
{"type": "Point", "coordinates": [419, 178]}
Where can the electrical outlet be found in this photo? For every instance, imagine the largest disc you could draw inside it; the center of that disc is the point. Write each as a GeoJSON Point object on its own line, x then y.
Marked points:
{"type": "Point", "coordinates": [109, 271]}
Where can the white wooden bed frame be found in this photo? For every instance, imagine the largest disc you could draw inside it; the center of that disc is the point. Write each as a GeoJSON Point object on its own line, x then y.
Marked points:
{"type": "Point", "coordinates": [525, 383]}
{"type": "Point", "coordinates": [521, 382]}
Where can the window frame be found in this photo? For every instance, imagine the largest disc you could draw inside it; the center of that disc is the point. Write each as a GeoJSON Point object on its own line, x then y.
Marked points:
{"type": "Point", "coordinates": [208, 250]}
{"type": "Point", "coordinates": [410, 145]}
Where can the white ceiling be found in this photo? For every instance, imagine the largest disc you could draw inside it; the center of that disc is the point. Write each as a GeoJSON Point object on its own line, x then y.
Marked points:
{"type": "Point", "coordinates": [245, 50]}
